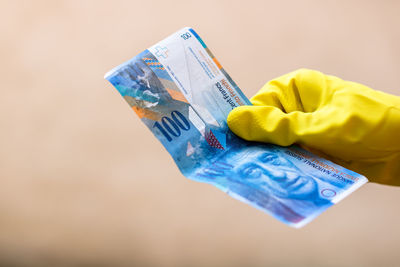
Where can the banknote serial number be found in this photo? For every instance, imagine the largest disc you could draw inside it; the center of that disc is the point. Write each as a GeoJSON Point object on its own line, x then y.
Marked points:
{"type": "Point", "coordinates": [172, 126]}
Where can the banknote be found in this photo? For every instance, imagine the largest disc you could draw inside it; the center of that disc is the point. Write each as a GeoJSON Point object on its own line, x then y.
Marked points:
{"type": "Point", "coordinates": [180, 91]}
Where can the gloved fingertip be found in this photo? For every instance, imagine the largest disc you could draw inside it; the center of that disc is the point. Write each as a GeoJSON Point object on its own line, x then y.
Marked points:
{"type": "Point", "coordinates": [263, 124]}
{"type": "Point", "coordinates": [237, 118]}
{"type": "Point", "coordinates": [247, 121]}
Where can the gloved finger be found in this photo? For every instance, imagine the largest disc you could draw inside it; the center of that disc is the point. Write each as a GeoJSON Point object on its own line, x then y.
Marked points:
{"type": "Point", "coordinates": [271, 125]}
{"type": "Point", "coordinates": [302, 90]}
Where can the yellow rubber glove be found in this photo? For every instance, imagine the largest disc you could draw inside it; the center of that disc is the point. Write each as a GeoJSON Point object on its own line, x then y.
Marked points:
{"type": "Point", "coordinates": [343, 121]}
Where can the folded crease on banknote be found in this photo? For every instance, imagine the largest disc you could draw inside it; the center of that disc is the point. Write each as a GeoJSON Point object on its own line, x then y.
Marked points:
{"type": "Point", "coordinates": [182, 93]}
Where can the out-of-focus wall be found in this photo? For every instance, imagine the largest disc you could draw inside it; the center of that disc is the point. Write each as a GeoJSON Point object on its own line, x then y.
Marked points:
{"type": "Point", "coordinates": [84, 183]}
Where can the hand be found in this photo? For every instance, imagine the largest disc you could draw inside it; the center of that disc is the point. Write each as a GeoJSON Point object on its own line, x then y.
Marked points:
{"type": "Point", "coordinates": [345, 122]}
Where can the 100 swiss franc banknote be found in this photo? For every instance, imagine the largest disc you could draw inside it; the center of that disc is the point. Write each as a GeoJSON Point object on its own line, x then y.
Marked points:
{"type": "Point", "coordinates": [181, 92]}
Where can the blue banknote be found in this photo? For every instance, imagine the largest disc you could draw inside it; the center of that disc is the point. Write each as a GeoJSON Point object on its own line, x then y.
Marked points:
{"type": "Point", "coordinates": [181, 92]}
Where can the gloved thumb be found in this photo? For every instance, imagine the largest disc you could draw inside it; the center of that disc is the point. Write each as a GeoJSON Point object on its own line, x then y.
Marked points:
{"type": "Point", "coordinates": [270, 124]}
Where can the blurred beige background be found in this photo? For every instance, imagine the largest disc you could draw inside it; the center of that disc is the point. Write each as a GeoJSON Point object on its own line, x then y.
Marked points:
{"type": "Point", "coordinates": [84, 183]}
